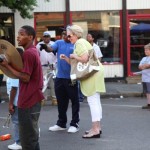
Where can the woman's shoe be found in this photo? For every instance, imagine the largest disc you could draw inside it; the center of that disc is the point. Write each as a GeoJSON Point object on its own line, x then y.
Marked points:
{"type": "Point", "coordinates": [100, 132]}
{"type": "Point", "coordinates": [87, 136]}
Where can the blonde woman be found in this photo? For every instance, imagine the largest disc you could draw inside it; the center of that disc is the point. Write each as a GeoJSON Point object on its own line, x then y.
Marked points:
{"type": "Point", "coordinates": [92, 86]}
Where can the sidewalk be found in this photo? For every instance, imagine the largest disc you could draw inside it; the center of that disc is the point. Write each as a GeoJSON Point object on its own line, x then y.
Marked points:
{"type": "Point", "coordinates": [113, 90]}
{"type": "Point", "coordinates": [119, 89]}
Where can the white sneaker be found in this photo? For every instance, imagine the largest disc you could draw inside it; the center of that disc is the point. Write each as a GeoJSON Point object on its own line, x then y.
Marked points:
{"type": "Point", "coordinates": [56, 128]}
{"type": "Point", "coordinates": [14, 146]}
{"type": "Point", "coordinates": [73, 129]}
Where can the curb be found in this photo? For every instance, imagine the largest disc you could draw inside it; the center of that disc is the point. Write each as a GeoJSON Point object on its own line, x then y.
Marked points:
{"type": "Point", "coordinates": [119, 95]}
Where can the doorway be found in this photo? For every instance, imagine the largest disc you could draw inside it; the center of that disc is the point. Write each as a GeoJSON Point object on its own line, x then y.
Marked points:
{"type": "Point", "coordinates": [7, 27]}
{"type": "Point", "coordinates": [139, 35]}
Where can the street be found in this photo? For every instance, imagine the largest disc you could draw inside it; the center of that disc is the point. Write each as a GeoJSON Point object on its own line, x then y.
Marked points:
{"type": "Point", "coordinates": [125, 126]}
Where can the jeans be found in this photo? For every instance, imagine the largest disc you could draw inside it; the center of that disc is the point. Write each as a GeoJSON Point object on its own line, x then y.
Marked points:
{"type": "Point", "coordinates": [15, 122]}
{"type": "Point", "coordinates": [66, 91]}
{"type": "Point", "coordinates": [28, 127]}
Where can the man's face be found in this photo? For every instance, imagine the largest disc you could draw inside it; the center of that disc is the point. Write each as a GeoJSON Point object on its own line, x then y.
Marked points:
{"type": "Point", "coordinates": [46, 39]}
{"type": "Point", "coordinates": [23, 38]}
{"type": "Point", "coordinates": [89, 38]}
{"type": "Point", "coordinates": [64, 36]}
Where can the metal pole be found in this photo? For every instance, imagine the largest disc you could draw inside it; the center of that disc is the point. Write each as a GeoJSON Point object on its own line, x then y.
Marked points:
{"type": "Point", "coordinates": [67, 12]}
{"type": "Point", "coordinates": [124, 33]}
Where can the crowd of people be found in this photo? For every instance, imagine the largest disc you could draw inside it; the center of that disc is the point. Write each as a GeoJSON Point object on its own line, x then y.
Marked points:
{"type": "Point", "coordinates": [25, 101]}
{"type": "Point", "coordinates": [26, 92]}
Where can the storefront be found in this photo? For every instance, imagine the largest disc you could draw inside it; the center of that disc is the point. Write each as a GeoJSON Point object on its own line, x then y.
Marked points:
{"type": "Point", "coordinates": [103, 18]}
{"type": "Point", "coordinates": [138, 36]}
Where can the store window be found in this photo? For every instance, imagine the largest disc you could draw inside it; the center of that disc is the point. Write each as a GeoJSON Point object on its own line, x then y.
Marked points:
{"type": "Point", "coordinates": [52, 22]}
{"type": "Point", "coordinates": [7, 27]}
{"type": "Point", "coordinates": [139, 11]}
{"type": "Point", "coordinates": [139, 36]}
{"type": "Point", "coordinates": [106, 28]}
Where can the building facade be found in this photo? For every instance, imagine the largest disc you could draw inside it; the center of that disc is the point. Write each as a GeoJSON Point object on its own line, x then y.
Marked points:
{"type": "Point", "coordinates": [121, 28]}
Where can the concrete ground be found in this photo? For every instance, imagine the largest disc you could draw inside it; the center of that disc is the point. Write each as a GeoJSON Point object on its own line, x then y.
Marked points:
{"type": "Point", "coordinates": [125, 126]}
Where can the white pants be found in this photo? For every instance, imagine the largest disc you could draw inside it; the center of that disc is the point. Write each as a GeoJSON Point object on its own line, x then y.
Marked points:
{"type": "Point", "coordinates": [95, 107]}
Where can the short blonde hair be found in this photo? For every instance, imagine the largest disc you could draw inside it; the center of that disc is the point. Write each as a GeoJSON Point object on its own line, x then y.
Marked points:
{"type": "Point", "coordinates": [76, 30]}
{"type": "Point", "coordinates": [147, 46]}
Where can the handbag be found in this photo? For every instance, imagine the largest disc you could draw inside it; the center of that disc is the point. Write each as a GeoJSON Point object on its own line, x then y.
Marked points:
{"type": "Point", "coordinates": [81, 71]}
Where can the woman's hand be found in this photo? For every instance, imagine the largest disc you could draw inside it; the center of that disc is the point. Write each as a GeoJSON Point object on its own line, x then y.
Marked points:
{"type": "Point", "coordinates": [73, 56]}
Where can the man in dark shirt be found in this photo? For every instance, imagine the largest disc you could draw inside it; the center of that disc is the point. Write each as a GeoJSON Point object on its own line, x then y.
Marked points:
{"type": "Point", "coordinates": [30, 92]}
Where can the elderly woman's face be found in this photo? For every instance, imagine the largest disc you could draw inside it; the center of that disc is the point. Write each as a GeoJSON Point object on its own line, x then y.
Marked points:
{"type": "Point", "coordinates": [72, 37]}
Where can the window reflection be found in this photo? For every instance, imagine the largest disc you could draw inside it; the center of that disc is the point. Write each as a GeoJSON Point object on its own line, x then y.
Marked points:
{"type": "Point", "coordinates": [106, 28]}
{"type": "Point", "coordinates": [139, 36]}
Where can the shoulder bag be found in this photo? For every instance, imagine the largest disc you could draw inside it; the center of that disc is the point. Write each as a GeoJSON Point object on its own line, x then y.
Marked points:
{"type": "Point", "coordinates": [81, 71]}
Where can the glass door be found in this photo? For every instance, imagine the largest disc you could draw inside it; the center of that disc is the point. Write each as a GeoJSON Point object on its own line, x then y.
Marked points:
{"type": "Point", "coordinates": [138, 37]}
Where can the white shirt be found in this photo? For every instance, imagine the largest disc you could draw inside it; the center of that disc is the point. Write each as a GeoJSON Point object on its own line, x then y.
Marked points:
{"type": "Point", "coordinates": [97, 50]}
{"type": "Point", "coordinates": [13, 83]}
{"type": "Point", "coordinates": [145, 72]}
{"type": "Point", "coordinates": [46, 58]}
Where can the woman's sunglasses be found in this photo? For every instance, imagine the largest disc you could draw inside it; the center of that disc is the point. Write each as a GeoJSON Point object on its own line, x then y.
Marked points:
{"type": "Point", "coordinates": [69, 36]}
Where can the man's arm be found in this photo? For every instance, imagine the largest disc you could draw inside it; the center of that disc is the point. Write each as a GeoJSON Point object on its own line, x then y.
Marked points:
{"type": "Point", "coordinates": [46, 48]}
{"type": "Point", "coordinates": [144, 66]}
{"type": "Point", "coordinates": [20, 75]}
{"type": "Point", "coordinates": [13, 93]}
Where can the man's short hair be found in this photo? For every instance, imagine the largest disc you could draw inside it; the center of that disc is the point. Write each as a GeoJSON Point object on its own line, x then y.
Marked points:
{"type": "Point", "coordinates": [29, 30]}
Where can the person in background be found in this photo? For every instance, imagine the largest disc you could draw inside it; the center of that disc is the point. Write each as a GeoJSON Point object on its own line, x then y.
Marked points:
{"type": "Point", "coordinates": [145, 67]}
{"type": "Point", "coordinates": [48, 62]}
{"type": "Point", "coordinates": [90, 39]}
{"type": "Point", "coordinates": [45, 57]}
{"type": "Point", "coordinates": [30, 89]}
{"type": "Point", "coordinates": [92, 86]}
{"type": "Point", "coordinates": [64, 88]}
{"type": "Point", "coordinates": [63, 35]}
{"type": "Point", "coordinates": [13, 92]}
{"type": "Point", "coordinates": [1, 80]}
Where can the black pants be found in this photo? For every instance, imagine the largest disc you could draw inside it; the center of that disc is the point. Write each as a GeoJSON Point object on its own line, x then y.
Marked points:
{"type": "Point", "coordinates": [28, 127]}
{"type": "Point", "coordinates": [66, 91]}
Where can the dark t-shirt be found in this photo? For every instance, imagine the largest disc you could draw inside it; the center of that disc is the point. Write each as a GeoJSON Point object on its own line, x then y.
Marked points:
{"type": "Point", "coordinates": [30, 93]}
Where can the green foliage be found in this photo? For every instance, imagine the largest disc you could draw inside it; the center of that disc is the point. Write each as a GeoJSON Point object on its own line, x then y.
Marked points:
{"type": "Point", "coordinates": [25, 7]}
